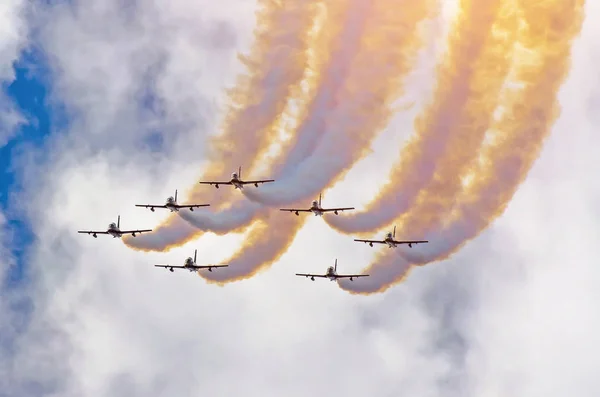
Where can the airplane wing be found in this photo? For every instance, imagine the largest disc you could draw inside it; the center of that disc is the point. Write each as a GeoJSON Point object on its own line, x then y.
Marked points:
{"type": "Point", "coordinates": [351, 275]}
{"type": "Point", "coordinates": [192, 205]}
{"type": "Point", "coordinates": [255, 182]}
{"type": "Point", "coordinates": [150, 206]}
{"type": "Point", "coordinates": [370, 241]}
{"type": "Point", "coordinates": [215, 183]}
{"type": "Point", "coordinates": [184, 267]}
{"type": "Point", "coordinates": [411, 242]}
{"type": "Point", "coordinates": [337, 209]}
{"type": "Point", "coordinates": [293, 210]}
{"type": "Point", "coordinates": [91, 232]}
{"type": "Point", "coordinates": [208, 267]}
{"type": "Point", "coordinates": [135, 231]}
{"type": "Point", "coordinates": [170, 267]}
{"type": "Point", "coordinates": [311, 275]}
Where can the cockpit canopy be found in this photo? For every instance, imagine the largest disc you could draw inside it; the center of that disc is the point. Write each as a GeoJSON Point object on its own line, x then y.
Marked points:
{"type": "Point", "coordinates": [189, 261]}
{"type": "Point", "coordinates": [389, 235]}
{"type": "Point", "coordinates": [171, 199]}
{"type": "Point", "coordinates": [330, 270]}
{"type": "Point", "coordinates": [234, 175]}
{"type": "Point", "coordinates": [112, 225]}
{"type": "Point", "coordinates": [315, 203]}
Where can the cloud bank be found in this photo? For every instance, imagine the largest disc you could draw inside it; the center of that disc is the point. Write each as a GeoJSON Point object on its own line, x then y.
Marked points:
{"type": "Point", "coordinates": [511, 313]}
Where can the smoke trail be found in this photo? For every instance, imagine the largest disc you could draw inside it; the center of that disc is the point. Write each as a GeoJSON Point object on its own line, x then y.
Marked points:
{"type": "Point", "coordinates": [391, 40]}
{"type": "Point", "coordinates": [340, 52]}
{"type": "Point", "coordinates": [262, 248]}
{"type": "Point", "coordinates": [453, 127]}
{"type": "Point", "coordinates": [275, 69]}
{"type": "Point", "coordinates": [334, 55]}
{"type": "Point", "coordinates": [530, 109]}
{"type": "Point", "coordinates": [390, 48]}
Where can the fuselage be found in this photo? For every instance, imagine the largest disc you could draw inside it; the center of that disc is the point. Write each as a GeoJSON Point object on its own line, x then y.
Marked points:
{"type": "Point", "coordinates": [331, 273]}
{"type": "Point", "coordinates": [316, 209]}
{"type": "Point", "coordinates": [114, 231]}
{"type": "Point", "coordinates": [171, 204]}
{"type": "Point", "coordinates": [189, 264]}
{"type": "Point", "coordinates": [235, 181]}
{"type": "Point", "coordinates": [389, 240]}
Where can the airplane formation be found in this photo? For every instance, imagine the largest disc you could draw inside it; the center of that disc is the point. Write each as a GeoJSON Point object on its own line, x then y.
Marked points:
{"type": "Point", "coordinates": [190, 264]}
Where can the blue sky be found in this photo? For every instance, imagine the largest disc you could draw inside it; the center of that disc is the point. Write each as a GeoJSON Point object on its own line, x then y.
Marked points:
{"type": "Point", "coordinates": [29, 92]}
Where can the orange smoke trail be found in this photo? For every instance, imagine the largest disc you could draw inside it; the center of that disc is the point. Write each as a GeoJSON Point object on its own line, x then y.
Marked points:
{"type": "Point", "coordinates": [267, 241]}
{"type": "Point", "coordinates": [389, 49]}
{"type": "Point", "coordinates": [470, 78]}
{"type": "Point", "coordinates": [467, 133]}
{"type": "Point", "coordinates": [530, 109]}
{"type": "Point", "coordinates": [275, 68]}
{"type": "Point", "coordinates": [363, 105]}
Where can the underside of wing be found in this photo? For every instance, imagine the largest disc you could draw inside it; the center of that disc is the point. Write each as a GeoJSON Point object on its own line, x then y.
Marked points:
{"type": "Point", "coordinates": [293, 210]}
{"type": "Point", "coordinates": [370, 241]}
{"type": "Point", "coordinates": [337, 209]}
{"type": "Point", "coordinates": [91, 232]}
{"type": "Point", "coordinates": [261, 181]}
{"type": "Point", "coordinates": [310, 275]}
{"type": "Point", "coordinates": [150, 206]}
{"type": "Point", "coordinates": [352, 275]}
{"type": "Point", "coordinates": [215, 183]}
{"type": "Point", "coordinates": [192, 205]}
{"type": "Point", "coordinates": [170, 267]}
{"type": "Point", "coordinates": [209, 266]}
{"type": "Point", "coordinates": [411, 242]}
{"type": "Point", "coordinates": [135, 231]}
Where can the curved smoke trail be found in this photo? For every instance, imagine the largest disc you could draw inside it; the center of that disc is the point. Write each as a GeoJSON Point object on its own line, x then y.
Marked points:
{"type": "Point", "coordinates": [275, 69]}
{"type": "Point", "coordinates": [334, 56]}
{"type": "Point", "coordinates": [529, 110]}
{"type": "Point", "coordinates": [451, 130]}
{"type": "Point", "coordinates": [391, 43]}
{"type": "Point", "coordinates": [390, 47]}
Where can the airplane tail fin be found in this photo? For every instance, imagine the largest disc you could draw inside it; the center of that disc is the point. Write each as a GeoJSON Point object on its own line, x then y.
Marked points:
{"type": "Point", "coordinates": [175, 195]}
{"type": "Point", "coordinates": [240, 173]}
{"type": "Point", "coordinates": [335, 265]}
{"type": "Point", "coordinates": [119, 222]}
{"type": "Point", "coordinates": [320, 194]}
{"type": "Point", "coordinates": [195, 255]}
{"type": "Point", "coordinates": [394, 234]}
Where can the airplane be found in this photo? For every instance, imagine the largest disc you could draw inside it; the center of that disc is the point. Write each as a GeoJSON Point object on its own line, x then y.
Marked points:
{"type": "Point", "coordinates": [171, 205]}
{"type": "Point", "coordinates": [389, 240]}
{"type": "Point", "coordinates": [115, 231]}
{"type": "Point", "coordinates": [190, 264]}
{"type": "Point", "coordinates": [317, 209]}
{"type": "Point", "coordinates": [332, 275]}
{"type": "Point", "coordinates": [237, 182]}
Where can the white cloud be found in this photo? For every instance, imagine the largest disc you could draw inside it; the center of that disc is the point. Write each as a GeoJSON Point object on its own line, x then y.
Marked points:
{"type": "Point", "coordinates": [513, 313]}
{"type": "Point", "coordinates": [12, 38]}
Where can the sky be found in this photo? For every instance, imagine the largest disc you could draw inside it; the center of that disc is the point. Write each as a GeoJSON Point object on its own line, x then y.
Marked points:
{"type": "Point", "coordinates": [105, 105]}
